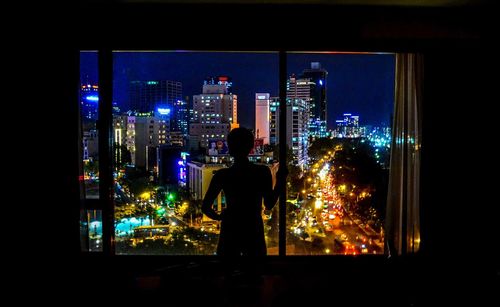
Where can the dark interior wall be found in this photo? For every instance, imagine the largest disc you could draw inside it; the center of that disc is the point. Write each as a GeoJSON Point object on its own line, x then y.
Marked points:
{"type": "Point", "coordinates": [274, 27]}
{"type": "Point", "coordinates": [459, 164]}
{"type": "Point", "coordinates": [459, 200]}
{"type": "Point", "coordinates": [458, 99]}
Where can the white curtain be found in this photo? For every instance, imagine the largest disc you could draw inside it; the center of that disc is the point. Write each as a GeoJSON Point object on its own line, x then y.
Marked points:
{"type": "Point", "coordinates": [402, 219]}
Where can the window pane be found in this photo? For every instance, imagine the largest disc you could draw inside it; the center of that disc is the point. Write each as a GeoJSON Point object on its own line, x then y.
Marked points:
{"type": "Point", "coordinates": [91, 230]}
{"type": "Point", "coordinates": [172, 114]}
{"type": "Point", "coordinates": [89, 102]}
{"type": "Point", "coordinates": [339, 110]}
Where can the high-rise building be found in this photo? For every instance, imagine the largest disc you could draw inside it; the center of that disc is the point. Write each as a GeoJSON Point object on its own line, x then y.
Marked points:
{"type": "Point", "coordinates": [299, 88]}
{"type": "Point", "coordinates": [303, 89]}
{"type": "Point", "coordinates": [318, 103]}
{"type": "Point", "coordinates": [141, 133]}
{"type": "Point", "coordinates": [351, 120]}
{"type": "Point", "coordinates": [148, 96]}
{"type": "Point", "coordinates": [273, 121]}
{"type": "Point", "coordinates": [211, 84]}
{"type": "Point", "coordinates": [298, 100]}
{"type": "Point", "coordinates": [349, 127]}
{"type": "Point", "coordinates": [262, 117]}
{"type": "Point", "coordinates": [180, 119]}
{"type": "Point", "coordinates": [214, 113]}
{"type": "Point", "coordinates": [89, 101]}
{"type": "Point", "coordinates": [90, 146]}
{"type": "Point", "coordinates": [297, 123]}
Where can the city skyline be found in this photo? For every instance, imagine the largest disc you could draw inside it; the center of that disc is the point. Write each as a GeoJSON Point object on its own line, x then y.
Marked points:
{"type": "Point", "coordinates": [357, 83]}
{"type": "Point", "coordinates": [163, 172]}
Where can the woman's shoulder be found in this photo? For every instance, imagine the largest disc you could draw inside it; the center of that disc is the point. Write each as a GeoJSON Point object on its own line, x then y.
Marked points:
{"type": "Point", "coordinates": [261, 168]}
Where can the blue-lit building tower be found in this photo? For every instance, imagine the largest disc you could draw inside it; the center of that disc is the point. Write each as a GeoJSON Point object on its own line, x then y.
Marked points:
{"type": "Point", "coordinates": [180, 117]}
{"type": "Point", "coordinates": [318, 103]}
{"type": "Point", "coordinates": [148, 96]}
{"type": "Point", "coordinates": [89, 101]}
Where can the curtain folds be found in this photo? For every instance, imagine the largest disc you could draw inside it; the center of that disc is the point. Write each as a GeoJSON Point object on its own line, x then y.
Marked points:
{"type": "Point", "coordinates": [402, 218]}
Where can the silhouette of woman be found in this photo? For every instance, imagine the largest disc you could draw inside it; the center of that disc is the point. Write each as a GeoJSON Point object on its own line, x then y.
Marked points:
{"type": "Point", "coordinates": [245, 185]}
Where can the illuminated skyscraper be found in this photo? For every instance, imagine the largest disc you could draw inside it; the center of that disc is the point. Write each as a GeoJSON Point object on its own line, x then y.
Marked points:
{"type": "Point", "coordinates": [318, 102]}
{"type": "Point", "coordinates": [298, 93]}
{"type": "Point", "coordinates": [348, 127]}
{"type": "Point", "coordinates": [90, 146]}
{"type": "Point", "coordinates": [141, 133]}
{"type": "Point", "coordinates": [89, 101]}
{"type": "Point", "coordinates": [180, 118]}
{"type": "Point", "coordinates": [214, 112]}
{"type": "Point", "coordinates": [299, 88]}
{"type": "Point", "coordinates": [148, 96]}
{"type": "Point", "coordinates": [262, 117]}
{"type": "Point", "coordinates": [297, 118]}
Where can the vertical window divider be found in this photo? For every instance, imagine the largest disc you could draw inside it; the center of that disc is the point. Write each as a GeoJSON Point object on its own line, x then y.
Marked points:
{"type": "Point", "coordinates": [104, 123]}
{"type": "Point", "coordinates": [75, 109]}
{"type": "Point", "coordinates": [406, 136]}
{"type": "Point", "coordinates": [282, 150]}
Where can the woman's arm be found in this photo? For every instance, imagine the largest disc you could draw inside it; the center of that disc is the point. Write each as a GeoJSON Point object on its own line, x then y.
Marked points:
{"type": "Point", "coordinates": [213, 191]}
{"type": "Point", "coordinates": [271, 195]}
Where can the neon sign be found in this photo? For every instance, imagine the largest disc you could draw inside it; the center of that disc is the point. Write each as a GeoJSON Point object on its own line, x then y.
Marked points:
{"type": "Point", "coordinates": [163, 111]}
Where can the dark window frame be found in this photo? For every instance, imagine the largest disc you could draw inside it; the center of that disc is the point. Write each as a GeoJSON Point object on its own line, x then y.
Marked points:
{"type": "Point", "coordinates": [106, 201]}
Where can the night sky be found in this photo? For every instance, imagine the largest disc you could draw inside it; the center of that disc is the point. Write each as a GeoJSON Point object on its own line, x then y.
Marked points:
{"type": "Point", "coordinates": [361, 84]}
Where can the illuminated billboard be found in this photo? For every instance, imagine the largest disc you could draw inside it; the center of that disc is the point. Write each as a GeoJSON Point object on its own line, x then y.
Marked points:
{"type": "Point", "coordinates": [163, 111]}
{"type": "Point", "coordinates": [258, 147]}
{"type": "Point", "coordinates": [217, 147]}
{"type": "Point", "coordinates": [92, 98]}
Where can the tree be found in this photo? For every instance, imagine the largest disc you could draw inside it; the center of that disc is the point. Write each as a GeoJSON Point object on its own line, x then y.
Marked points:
{"type": "Point", "coordinates": [193, 210]}
{"type": "Point", "coordinates": [124, 212]}
{"type": "Point", "coordinates": [320, 147]}
{"type": "Point", "coordinates": [137, 180]}
{"type": "Point", "coordinates": [139, 185]}
{"type": "Point", "coordinates": [295, 179]}
{"type": "Point", "coordinates": [357, 165]}
{"type": "Point", "coordinates": [289, 153]}
{"type": "Point", "coordinates": [183, 193]}
{"type": "Point", "coordinates": [91, 167]}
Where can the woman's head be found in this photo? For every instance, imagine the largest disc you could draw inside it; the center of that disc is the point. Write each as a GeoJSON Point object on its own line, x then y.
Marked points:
{"type": "Point", "coordinates": [240, 142]}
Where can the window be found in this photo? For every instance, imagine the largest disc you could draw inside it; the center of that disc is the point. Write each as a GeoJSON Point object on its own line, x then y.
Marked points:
{"type": "Point", "coordinates": [89, 114]}
{"type": "Point", "coordinates": [338, 148]}
{"type": "Point", "coordinates": [91, 235]}
{"type": "Point", "coordinates": [159, 187]}
{"type": "Point", "coordinates": [338, 184]}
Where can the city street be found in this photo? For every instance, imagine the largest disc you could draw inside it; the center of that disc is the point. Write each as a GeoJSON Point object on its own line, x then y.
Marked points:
{"type": "Point", "coordinates": [323, 215]}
